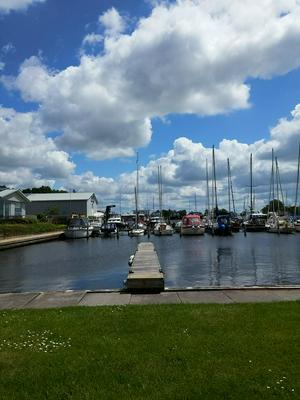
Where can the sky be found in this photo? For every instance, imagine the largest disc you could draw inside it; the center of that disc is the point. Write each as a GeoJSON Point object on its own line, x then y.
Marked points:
{"type": "Point", "coordinates": [85, 85]}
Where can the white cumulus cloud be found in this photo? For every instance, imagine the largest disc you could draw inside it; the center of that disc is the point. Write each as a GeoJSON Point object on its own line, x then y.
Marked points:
{"type": "Point", "coordinates": [189, 56]}
{"type": "Point", "coordinates": [7, 6]}
{"type": "Point", "coordinates": [26, 154]}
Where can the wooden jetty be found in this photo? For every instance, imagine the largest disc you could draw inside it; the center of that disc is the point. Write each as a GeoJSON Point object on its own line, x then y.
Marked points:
{"type": "Point", "coordinates": [145, 273]}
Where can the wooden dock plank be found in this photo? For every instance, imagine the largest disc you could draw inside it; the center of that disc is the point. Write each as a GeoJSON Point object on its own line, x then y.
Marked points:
{"type": "Point", "coordinates": [145, 272]}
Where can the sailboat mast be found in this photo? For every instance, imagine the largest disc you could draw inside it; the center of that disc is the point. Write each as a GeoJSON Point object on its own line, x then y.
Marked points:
{"type": "Point", "coordinates": [215, 180]}
{"type": "Point", "coordinates": [231, 189]}
{"type": "Point", "coordinates": [159, 181]}
{"type": "Point", "coordinates": [136, 207]}
{"type": "Point", "coordinates": [273, 182]}
{"type": "Point", "coordinates": [228, 184]}
{"type": "Point", "coordinates": [297, 183]}
{"type": "Point", "coordinates": [137, 184]}
{"type": "Point", "coordinates": [207, 190]}
{"type": "Point", "coordinates": [161, 192]}
{"type": "Point", "coordinates": [280, 187]}
{"type": "Point", "coordinates": [251, 186]}
{"type": "Point", "coordinates": [277, 183]}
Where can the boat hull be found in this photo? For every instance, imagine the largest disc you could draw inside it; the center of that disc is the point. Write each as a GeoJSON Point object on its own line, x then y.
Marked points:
{"type": "Point", "coordinates": [254, 228]}
{"type": "Point", "coordinates": [297, 227]}
{"type": "Point", "coordinates": [192, 230]}
{"type": "Point", "coordinates": [136, 232]}
{"type": "Point", "coordinates": [77, 233]}
{"type": "Point", "coordinates": [281, 230]}
{"type": "Point", "coordinates": [165, 232]}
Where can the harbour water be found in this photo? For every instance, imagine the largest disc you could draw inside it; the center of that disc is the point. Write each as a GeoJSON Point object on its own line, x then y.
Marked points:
{"type": "Point", "coordinates": [199, 261]}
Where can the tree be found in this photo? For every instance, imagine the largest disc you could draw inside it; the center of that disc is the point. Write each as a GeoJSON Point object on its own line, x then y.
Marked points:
{"type": "Point", "coordinates": [274, 205]}
{"type": "Point", "coordinates": [43, 189]}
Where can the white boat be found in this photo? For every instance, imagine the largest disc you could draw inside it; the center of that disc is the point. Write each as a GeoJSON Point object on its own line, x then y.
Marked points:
{"type": "Point", "coordinates": [192, 225]}
{"type": "Point", "coordinates": [279, 224]}
{"type": "Point", "coordinates": [116, 220]}
{"type": "Point", "coordinates": [162, 229]}
{"type": "Point", "coordinates": [136, 231]}
{"type": "Point", "coordinates": [177, 227]}
{"type": "Point", "coordinates": [78, 228]}
{"type": "Point", "coordinates": [297, 225]}
{"type": "Point", "coordinates": [96, 223]}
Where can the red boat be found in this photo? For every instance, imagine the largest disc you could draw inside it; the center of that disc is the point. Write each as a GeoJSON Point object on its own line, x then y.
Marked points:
{"type": "Point", "coordinates": [192, 224]}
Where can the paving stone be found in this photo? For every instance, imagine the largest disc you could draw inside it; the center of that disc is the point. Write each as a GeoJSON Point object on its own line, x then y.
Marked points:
{"type": "Point", "coordinates": [15, 300]}
{"type": "Point", "coordinates": [107, 299]}
{"type": "Point", "coordinates": [288, 294]}
{"type": "Point", "coordinates": [205, 296]}
{"type": "Point", "coordinates": [252, 295]}
{"type": "Point", "coordinates": [156, 298]}
{"type": "Point", "coordinates": [57, 299]}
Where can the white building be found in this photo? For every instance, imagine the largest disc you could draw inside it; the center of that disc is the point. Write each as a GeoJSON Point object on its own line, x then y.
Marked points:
{"type": "Point", "coordinates": [63, 204]}
{"type": "Point", "coordinates": [13, 203]}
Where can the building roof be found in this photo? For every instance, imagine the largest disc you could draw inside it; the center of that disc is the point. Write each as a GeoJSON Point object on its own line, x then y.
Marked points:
{"type": "Point", "coordinates": [60, 196]}
{"type": "Point", "coordinates": [8, 192]}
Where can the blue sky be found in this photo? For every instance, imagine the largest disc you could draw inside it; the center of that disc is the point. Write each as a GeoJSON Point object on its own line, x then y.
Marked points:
{"type": "Point", "coordinates": [147, 78]}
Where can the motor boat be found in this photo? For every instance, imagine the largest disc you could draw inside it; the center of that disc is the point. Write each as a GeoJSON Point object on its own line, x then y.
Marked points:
{"type": "Point", "coordinates": [96, 223]}
{"type": "Point", "coordinates": [256, 222]}
{"type": "Point", "coordinates": [108, 229]}
{"type": "Point", "coordinates": [162, 229]}
{"type": "Point", "coordinates": [177, 226]}
{"type": "Point", "coordinates": [192, 224]}
{"type": "Point", "coordinates": [279, 224]}
{"type": "Point", "coordinates": [297, 225]}
{"type": "Point", "coordinates": [116, 220]}
{"type": "Point", "coordinates": [78, 228]}
{"type": "Point", "coordinates": [222, 226]}
{"type": "Point", "coordinates": [137, 230]}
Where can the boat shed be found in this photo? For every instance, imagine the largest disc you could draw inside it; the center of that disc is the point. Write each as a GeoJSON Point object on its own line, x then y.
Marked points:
{"type": "Point", "coordinates": [62, 204]}
{"type": "Point", "coordinates": [13, 203]}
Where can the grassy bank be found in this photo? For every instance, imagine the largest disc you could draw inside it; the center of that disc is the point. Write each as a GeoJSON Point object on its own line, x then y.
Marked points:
{"type": "Point", "coordinates": [240, 351]}
{"type": "Point", "coordinates": [7, 230]}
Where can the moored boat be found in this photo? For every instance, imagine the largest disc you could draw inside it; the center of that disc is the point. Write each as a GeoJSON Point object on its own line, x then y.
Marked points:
{"type": "Point", "coordinates": [137, 230]}
{"type": "Point", "coordinates": [78, 228]}
{"type": "Point", "coordinates": [256, 222]}
{"type": "Point", "coordinates": [108, 229]}
{"type": "Point", "coordinates": [297, 225]}
{"type": "Point", "coordinates": [162, 229]}
{"type": "Point", "coordinates": [279, 224]}
{"type": "Point", "coordinates": [222, 226]}
{"type": "Point", "coordinates": [192, 224]}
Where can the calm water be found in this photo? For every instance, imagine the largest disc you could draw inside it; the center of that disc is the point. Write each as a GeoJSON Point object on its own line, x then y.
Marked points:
{"type": "Point", "coordinates": [258, 259]}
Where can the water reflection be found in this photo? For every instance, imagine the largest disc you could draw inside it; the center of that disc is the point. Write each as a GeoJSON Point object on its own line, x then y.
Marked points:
{"type": "Point", "coordinates": [258, 259]}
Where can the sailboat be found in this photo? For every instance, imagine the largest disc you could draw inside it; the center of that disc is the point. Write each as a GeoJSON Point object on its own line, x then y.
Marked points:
{"type": "Point", "coordinates": [235, 221]}
{"type": "Point", "coordinates": [161, 228]}
{"type": "Point", "coordinates": [277, 223]}
{"type": "Point", "coordinates": [297, 220]}
{"type": "Point", "coordinates": [137, 229]}
{"type": "Point", "coordinates": [221, 224]}
{"type": "Point", "coordinates": [256, 222]}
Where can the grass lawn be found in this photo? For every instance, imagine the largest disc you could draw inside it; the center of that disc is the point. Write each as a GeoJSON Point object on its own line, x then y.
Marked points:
{"type": "Point", "coordinates": [8, 230]}
{"type": "Point", "coordinates": [236, 351]}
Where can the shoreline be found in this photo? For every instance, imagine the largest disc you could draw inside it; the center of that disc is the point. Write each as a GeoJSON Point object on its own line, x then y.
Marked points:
{"type": "Point", "coordinates": [24, 240]}
{"type": "Point", "coordinates": [71, 298]}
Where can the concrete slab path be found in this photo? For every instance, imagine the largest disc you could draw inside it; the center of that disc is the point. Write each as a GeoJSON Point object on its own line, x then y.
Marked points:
{"type": "Point", "coordinates": [85, 298]}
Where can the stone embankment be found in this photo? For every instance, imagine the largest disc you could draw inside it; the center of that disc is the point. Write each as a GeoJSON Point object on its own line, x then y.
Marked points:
{"type": "Point", "coordinates": [25, 240]}
{"type": "Point", "coordinates": [71, 298]}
